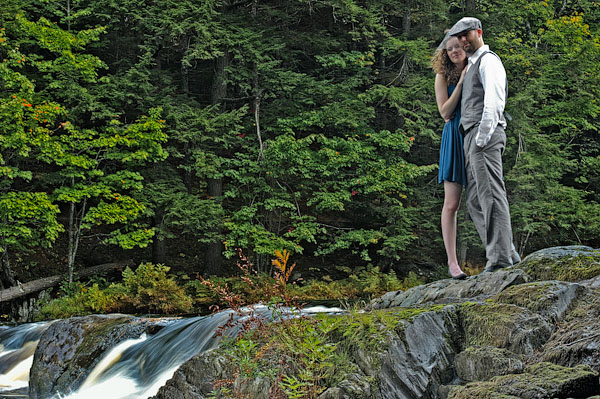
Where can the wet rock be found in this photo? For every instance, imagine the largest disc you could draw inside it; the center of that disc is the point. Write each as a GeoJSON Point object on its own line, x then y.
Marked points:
{"type": "Point", "coordinates": [568, 263]}
{"type": "Point", "coordinates": [540, 381]}
{"type": "Point", "coordinates": [479, 363]}
{"type": "Point", "coordinates": [69, 349]}
{"type": "Point", "coordinates": [367, 361]}
{"type": "Point", "coordinates": [196, 378]}
{"type": "Point", "coordinates": [592, 283]}
{"type": "Point", "coordinates": [444, 391]}
{"type": "Point", "coordinates": [354, 387]}
{"type": "Point", "coordinates": [416, 364]}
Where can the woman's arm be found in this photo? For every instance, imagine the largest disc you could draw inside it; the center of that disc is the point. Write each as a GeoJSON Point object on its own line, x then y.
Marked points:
{"type": "Point", "coordinates": [447, 105]}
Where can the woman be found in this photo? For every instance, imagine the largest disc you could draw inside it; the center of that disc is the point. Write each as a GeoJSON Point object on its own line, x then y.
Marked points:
{"type": "Point", "coordinates": [449, 63]}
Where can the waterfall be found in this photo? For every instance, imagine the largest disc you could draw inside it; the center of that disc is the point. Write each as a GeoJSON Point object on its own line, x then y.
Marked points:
{"type": "Point", "coordinates": [137, 368]}
{"type": "Point", "coordinates": [17, 346]}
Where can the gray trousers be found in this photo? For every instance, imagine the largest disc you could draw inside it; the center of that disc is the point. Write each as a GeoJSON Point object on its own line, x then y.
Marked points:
{"type": "Point", "coordinates": [486, 198]}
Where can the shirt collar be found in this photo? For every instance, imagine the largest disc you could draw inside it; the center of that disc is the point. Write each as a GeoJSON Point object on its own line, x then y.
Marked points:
{"type": "Point", "coordinates": [473, 59]}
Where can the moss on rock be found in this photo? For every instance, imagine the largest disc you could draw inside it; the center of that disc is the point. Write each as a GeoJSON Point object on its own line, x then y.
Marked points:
{"type": "Point", "coordinates": [503, 326]}
{"type": "Point", "coordinates": [577, 338]}
{"type": "Point", "coordinates": [563, 263]}
{"type": "Point", "coordinates": [478, 363]}
{"type": "Point", "coordinates": [533, 296]}
{"type": "Point", "coordinates": [549, 298]}
{"type": "Point", "coordinates": [541, 381]}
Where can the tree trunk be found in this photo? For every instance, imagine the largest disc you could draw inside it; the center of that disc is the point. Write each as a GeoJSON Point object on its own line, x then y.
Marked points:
{"type": "Point", "coordinates": [214, 249]}
{"type": "Point", "coordinates": [185, 81]}
{"type": "Point", "coordinates": [74, 233]}
{"type": "Point", "coordinates": [470, 5]}
{"type": "Point", "coordinates": [31, 287]}
{"type": "Point", "coordinates": [406, 23]}
{"type": "Point", "coordinates": [158, 244]}
{"type": "Point", "coordinates": [219, 86]}
{"type": "Point", "coordinates": [7, 276]}
{"type": "Point", "coordinates": [463, 246]}
{"type": "Point", "coordinates": [185, 76]}
{"type": "Point", "coordinates": [187, 173]}
{"type": "Point", "coordinates": [70, 247]}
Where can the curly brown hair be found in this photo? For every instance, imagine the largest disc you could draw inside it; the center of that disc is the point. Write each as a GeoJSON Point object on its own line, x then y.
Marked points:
{"type": "Point", "coordinates": [440, 62]}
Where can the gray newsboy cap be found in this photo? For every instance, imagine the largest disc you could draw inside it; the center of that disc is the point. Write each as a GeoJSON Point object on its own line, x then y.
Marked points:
{"type": "Point", "coordinates": [466, 23]}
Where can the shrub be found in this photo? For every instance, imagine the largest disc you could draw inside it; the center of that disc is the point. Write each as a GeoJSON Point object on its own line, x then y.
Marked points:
{"type": "Point", "coordinates": [63, 307]}
{"type": "Point", "coordinates": [147, 290]}
{"type": "Point", "coordinates": [151, 289]}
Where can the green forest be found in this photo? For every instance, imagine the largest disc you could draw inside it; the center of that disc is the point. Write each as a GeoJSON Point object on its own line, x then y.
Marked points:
{"type": "Point", "coordinates": [179, 132]}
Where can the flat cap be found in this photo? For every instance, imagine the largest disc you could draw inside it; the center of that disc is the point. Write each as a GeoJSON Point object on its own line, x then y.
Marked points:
{"type": "Point", "coordinates": [464, 24]}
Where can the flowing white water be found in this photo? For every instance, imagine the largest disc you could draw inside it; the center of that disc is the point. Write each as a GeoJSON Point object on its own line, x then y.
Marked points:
{"type": "Point", "coordinates": [17, 346]}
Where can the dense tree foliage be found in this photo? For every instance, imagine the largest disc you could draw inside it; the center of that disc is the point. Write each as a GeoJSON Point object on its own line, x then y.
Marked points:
{"type": "Point", "coordinates": [205, 126]}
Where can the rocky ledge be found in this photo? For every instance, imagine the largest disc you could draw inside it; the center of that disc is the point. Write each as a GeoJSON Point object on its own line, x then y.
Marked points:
{"type": "Point", "coordinates": [530, 331]}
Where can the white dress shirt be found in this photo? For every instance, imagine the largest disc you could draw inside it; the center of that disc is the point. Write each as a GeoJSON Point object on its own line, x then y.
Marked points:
{"type": "Point", "coordinates": [493, 78]}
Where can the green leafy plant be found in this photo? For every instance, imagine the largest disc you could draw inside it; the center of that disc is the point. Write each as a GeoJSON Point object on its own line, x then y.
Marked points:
{"type": "Point", "coordinates": [148, 289]}
{"type": "Point", "coordinates": [151, 289]}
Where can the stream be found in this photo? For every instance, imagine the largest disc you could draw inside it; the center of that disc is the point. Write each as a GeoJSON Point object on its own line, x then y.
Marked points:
{"type": "Point", "coordinates": [134, 368]}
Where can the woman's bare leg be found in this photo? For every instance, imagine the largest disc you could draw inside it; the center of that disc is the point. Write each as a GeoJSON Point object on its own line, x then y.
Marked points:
{"type": "Point", "coordinates": [452, 192]}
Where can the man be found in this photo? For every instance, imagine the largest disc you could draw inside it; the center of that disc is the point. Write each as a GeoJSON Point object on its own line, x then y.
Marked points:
{"type": "Point", "coordinates": [482, 121]}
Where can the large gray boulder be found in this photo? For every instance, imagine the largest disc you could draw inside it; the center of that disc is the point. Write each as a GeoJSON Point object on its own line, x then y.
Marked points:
{"type": "Point", "coordinates": [504, 326]}
{"type": "Point", "coordinates": [70, 348]}
{"type": "Point", "coordinates": [196, 378]}
{"type": "Point", "coordinates": [529, 331]}
{"type": "Point", "coordinates": [416, 360]}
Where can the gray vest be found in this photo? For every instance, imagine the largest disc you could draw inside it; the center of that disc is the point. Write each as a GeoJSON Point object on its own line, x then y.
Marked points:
{"type": "Point", "coordinates": [472, 96]}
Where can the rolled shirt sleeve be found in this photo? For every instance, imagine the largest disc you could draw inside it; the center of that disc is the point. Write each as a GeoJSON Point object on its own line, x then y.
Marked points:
{"type": "Point", "coordinates": [493, 78]}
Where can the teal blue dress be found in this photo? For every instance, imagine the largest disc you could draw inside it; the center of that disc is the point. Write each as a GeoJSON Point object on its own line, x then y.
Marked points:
{"type": "Point", "coordinates": [452, 156]}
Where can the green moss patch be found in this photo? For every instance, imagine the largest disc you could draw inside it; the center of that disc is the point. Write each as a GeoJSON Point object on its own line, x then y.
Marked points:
{"type": "Point", "coordinates": [567, 268]}
{"type": "Point", "coordinates": [488, 324]}
{"type": "Point", "coordinates": [477, 363]}
{"type": "Point", "coordinates": [551, 298]}
{"type": "Point", "coordinates": [542, 380]}
{"type": "Point", "coordinates": [503, 326]}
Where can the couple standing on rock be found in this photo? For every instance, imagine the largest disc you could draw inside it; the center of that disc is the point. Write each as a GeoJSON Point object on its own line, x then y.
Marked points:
{"type": "Point", "coordinates": [471, 91]}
